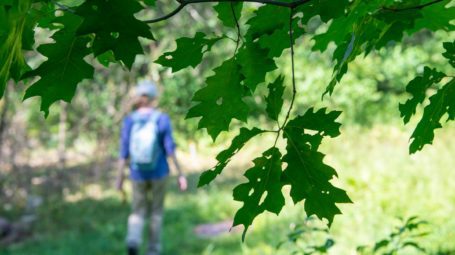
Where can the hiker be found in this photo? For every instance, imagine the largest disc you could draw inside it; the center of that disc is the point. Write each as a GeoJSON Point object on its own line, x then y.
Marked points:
{"type": "Point", "coordinates": [147, 145]}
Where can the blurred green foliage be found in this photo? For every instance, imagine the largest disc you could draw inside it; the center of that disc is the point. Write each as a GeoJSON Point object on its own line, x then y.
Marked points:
{"type": "Point", "coordinates": [372, 89]}
{"type": "Point", "coordinates": [91, 218]}
{"type": "Point", "coordinates": [405, 236]}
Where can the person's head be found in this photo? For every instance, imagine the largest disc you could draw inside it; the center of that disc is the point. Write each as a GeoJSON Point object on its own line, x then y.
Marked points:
{"type": "Point", "coordinates": [145, 94]}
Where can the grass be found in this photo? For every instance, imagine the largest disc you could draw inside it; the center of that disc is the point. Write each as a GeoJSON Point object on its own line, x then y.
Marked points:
{"type": "Point", "coordinates": [374, 167]}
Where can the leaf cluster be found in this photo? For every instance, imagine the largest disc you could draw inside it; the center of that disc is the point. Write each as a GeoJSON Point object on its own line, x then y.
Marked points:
{"type": "Point", "coordinates": [308, 238]}
{"type": "Point", "coordinates": [406, 235]}
{"type": "Point", "coordinates": [441, 103]}
{"type": "Point", "coordinates": [109, 31]}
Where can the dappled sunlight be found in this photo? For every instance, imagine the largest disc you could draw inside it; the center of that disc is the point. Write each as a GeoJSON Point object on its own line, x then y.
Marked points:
{"type": "Point", "coordinates": [383, 181]}
{"type": "Point", "coordinates": [249, 127]}
{"type": "Point", "coordinates": [90, 191]}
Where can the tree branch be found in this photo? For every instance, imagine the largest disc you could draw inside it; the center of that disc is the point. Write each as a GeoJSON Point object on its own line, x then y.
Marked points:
{"type": "Point", "coordinates": [183, 3]}
{"type": "Point", "coordinates": [167, 16]}
{"type": "Point", "coordinates": [418, 7]}
{"type": "Point", "coordinates": [271, 2]}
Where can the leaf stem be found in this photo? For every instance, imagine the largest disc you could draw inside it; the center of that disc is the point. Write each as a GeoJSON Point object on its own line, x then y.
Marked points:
{"type": "Point", "coordinates": [294, 90]}
{"type": "Point", "coordinates": [239, 35]}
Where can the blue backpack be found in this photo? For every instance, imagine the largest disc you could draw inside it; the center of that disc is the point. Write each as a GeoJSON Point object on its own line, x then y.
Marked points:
{"type": "Point", "coordinates": [144, 141]}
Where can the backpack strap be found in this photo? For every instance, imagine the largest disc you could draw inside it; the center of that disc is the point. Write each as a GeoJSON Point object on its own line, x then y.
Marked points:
{"type": "Point", "coordinates": [154, 116]}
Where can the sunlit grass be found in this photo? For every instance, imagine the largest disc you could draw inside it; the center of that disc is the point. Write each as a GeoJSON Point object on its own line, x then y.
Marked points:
{"type": "Point", "coordinates": [374, 167]}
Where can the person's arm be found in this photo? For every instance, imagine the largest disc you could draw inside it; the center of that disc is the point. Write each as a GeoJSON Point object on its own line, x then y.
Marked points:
{"type": "Point", "coordinates": [124, 153]}
{"type": "Point", "coordinates": [169, 146]}
{"type": "Point", "coordinates": [120, 174]}
{"type": "Point", "coordinates": [183, 183]}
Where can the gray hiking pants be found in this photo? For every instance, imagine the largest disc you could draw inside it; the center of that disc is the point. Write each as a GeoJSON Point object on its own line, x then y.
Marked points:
{"type": "Point", "coordinates": [147, 195]}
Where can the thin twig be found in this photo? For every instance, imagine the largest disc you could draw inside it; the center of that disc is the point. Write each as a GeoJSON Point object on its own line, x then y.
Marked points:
{"type": "Point", "coordinates": [271, 2]}
{"type": "Point", "coordinates": [169, 15]}
{"type": "Point", "coordinates": [294, 90]}
{"type": "Point", "coordinates": [239, 35]}
{"type": "Point", "coordinates": [183, 3]}
{"type": "Point", "coordinates": [418, 7]}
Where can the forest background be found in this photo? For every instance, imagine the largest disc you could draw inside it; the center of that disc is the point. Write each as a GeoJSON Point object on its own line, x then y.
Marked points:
{"type": "Point", "coordinates": [67, 160]}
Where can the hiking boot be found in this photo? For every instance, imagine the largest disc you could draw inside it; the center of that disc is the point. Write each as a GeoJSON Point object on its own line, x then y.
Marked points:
{"type": "Point", "coordinates": [132, 250]}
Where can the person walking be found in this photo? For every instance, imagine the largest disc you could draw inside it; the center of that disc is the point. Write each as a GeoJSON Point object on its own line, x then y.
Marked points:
{"type": "Point", "coordinates": [147, 145]}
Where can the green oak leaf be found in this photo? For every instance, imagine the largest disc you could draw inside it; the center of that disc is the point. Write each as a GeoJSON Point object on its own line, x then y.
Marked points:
{"type": "Point", "coordinates": [437, 17]}
{"type": "Point", "coordinates": [106, 58]}
{"type": "Point", "coordinates": [275, 100]}
{"type": "Point", "coordinates": [277, 41]}
{"type": "Point", "coordinates": [35, 14]}
{"type": "Point", "coordinates": [150, 2]}
{"type": "Point", "coordinates": [337, 32]}
{"type": "Point", "coordinates": [441, 103]}
{"type": "Point", "coordinates": [418, 88]}
{"type": "Point", "coordinates": [225, 156]}
{"type": "Point", "coordinates": [115, 27]}
{"type": "Point", "coordinates": [6, 3]}
{"type": "Point", "coordinates": [326, 9]}
{"type": "Point", "coordinates": [342, 32]}
{"type": "Point", "coordinates": [14, 31]}
{"type": "Point", "coordinates": [189, 52]}
{"type": "Point", "coordinates": [450, 52]}
{"type": "Point", "coordinates": [225, 14]}
{"type": "Point", "coordinates": [255, 64]}
{"type": "Point", "coordinates": [306, 173]}
{"type": "Point", "coordinates": [320, 121]}
{"type": "Point", "coordinates": [221, 100]}
{"type": "Point", "coordinates": [342, 56]}
{"type": "Point", "coordinates": [362, 34]}
{"type": "Point", "coordinates": [262, 23]}
{"type": "Point", "coordinates": [262, 192]}
{"type": "Point", "coordinates": [391, 27]}
{"type": "Point", "coordinates": [272, 34]}
{"type": "Point", "coordinates": [65, 66]}
{"type": "Point", "coordinates": [273, 37]}
{"type": "Point", "coordinates": [45, 15]}
{"type": "Point", "coordinates": [380, 244]}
